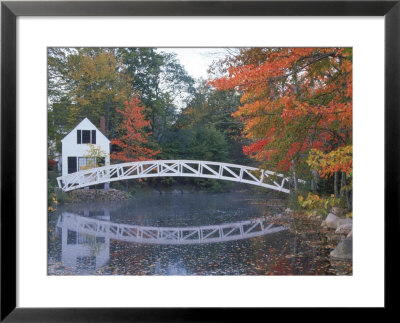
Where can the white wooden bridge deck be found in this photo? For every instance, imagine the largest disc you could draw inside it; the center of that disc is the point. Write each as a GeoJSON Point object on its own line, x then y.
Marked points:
{"type": "Point", "coordinates": [180, 168]}
{"type": "Point", "coordinates": [168, 235]}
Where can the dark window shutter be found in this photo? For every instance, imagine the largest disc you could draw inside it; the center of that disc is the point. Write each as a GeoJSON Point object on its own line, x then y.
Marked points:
{"type": "Point", "coordinates": [78, 136]}
{"type": "Point", "coordinates": [94, 137]}
{"type": "Point", "coordinates": [72, 165]}
{"type": "Point", "coordinates": [86, 136]}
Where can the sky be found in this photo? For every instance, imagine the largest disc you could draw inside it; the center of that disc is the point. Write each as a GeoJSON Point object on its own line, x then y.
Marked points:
{"type": "Point", "coordinates": [196, 60]}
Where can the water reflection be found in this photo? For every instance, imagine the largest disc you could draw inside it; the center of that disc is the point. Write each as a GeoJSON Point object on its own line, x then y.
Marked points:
{"type": "Point", "coordinates": [189, 234]}
{"type": "Point", "coordinates": [79, 226]}
{"type": "Point", "coordinates": [85, 241]}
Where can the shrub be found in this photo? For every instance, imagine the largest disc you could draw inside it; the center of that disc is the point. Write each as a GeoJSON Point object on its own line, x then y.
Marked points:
{"type": "Point", "coordinates": [313, 204]}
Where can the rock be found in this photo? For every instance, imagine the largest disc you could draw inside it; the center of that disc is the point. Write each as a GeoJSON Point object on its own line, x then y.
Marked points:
{"type": "Point", "coordinates": [99, 194]}
{"type": "Point", "coordinates": [350, 235]}
{"type": "Point", "coordinates": [344, 228]}
{"type": "Point", "coordinates": [344, 221]}
{"type": "Point", "coordinates": [338, 211]}
{"type": "Point", "coordinates": [332, 221]}
{"type": "Point", "coordinates": [176, 192]}
{"type": "Point", "coordinates": [344, 250]}
{"type": "Point", "coordinates": [315, 217]}
{"type": "Point", "coordinates": [323, 223]}
{"type": "Point", "coordinates": [288, 210]}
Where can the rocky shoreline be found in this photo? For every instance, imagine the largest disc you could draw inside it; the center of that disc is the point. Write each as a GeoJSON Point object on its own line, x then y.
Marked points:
{"type": "Point", "coordinates": [90, 195]}
{"type": "Point", "coordinates": [337, 229]}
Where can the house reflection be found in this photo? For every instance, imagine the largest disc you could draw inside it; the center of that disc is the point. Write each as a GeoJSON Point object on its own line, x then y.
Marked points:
{"type": "Point", "coordinates": [81, 250]}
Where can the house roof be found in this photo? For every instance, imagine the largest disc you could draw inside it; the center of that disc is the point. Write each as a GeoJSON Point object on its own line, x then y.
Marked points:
{"type": "Point", "coordinates": [84, 125]}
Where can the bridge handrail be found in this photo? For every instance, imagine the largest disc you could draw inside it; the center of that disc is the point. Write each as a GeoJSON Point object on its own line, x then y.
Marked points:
{"type": "Point", "coordinates": [90, 170]}
{"type": "Point", "coordinates": [171, 168]}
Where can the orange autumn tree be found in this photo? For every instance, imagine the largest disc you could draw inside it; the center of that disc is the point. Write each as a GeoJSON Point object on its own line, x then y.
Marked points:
{"type": "Point", "coordinates": [294, 101]}
{"type": "Point", "coordinates": [132, 145]}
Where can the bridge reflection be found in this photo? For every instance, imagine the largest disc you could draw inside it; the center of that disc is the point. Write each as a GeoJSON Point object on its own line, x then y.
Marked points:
{"type": "Point", "coordinates": [167, 235]}
{"type": "Point", "coordinates": [85, 241]}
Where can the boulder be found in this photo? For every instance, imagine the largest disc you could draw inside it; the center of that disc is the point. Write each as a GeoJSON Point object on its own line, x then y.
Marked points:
{"type": "Point", "coordinates": [323, 223]}
{"type": "Point", "coordinates": [338, 211]}
{"type": "Point", "coordinates": [344, 250]}
{"type": "Point", "coordinates": [343, 221]}
{"type": "Point", "coordinates": [331, 221]}
{"type": "Point", "coordinates": [287, 211]}
{"type": "Point", "coordinates": [344, 228]}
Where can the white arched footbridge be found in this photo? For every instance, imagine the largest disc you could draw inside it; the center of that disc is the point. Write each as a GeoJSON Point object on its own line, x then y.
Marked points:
{"type": "Point", "coordinates": [180, 168]}
{"type": "Point", "coordinates": [168, 235]}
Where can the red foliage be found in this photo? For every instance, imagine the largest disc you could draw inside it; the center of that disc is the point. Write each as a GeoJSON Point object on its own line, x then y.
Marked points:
{"type": "Point", "coordinates": [131, 146]}
{"type": "Point", "coordinates": [294, 100]}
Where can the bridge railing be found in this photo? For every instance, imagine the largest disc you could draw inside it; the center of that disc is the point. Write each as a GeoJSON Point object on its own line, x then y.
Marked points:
{"type": "Point", "coordinates": [180, 168]}
{"type": "Point", "coordinates": [168, 235]}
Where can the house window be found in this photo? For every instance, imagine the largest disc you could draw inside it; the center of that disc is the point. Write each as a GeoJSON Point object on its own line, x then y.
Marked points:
{"type": "Point", "coordinates": [71, 237]}
{"type": "Point", "coordinates": [86, 162]}
{"type": "Point", "coordinates": [71, 165]}
{"type": "Point", "coordinates": [86, 137]}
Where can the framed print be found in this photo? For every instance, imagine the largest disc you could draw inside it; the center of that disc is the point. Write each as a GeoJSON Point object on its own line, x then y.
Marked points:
{"type": "Point", "coordinates": [197, 154]}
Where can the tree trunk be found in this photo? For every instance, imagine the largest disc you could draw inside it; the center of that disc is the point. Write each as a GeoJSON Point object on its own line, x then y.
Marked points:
{"type": "Point", "coordinates": [314, 180]}
{"type": "Point", "coordinates": [295, 182]}
{"type": "Point", "coordinates": [349, 199]}
{"type": "Point", "coordinates": [342, 185]}
{"type": "Point", "coordinates": [335, 184]}
{"type": "Point", "coordinates": [345, 192]}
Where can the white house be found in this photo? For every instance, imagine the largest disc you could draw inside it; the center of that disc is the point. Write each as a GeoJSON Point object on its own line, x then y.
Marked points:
{"type": "Point", "coordinates": [75, 148]}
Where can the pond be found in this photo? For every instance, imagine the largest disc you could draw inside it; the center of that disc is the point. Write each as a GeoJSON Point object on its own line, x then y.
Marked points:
{"type": "Point", "coordinates": [184, 234]}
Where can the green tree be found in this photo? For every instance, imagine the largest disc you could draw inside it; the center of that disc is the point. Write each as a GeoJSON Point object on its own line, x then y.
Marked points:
{"type": "Point", "coordinates": [208, 144]}
{"type": "Point", "coordinates": [160, 82]}
{"type": "Point", "coordinates": [99, 87]}
{"type": "Point", "coordinates": [213, 109]}
{"type": "Point", "coordinates": [84, 83]}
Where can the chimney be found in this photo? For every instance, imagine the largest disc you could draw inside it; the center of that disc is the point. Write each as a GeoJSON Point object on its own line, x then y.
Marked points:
{"type": "Point", "coordinates": [103, 125]}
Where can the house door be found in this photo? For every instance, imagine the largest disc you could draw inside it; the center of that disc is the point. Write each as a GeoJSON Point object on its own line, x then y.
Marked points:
{"type": "Point", "coordinates": [72, 168]}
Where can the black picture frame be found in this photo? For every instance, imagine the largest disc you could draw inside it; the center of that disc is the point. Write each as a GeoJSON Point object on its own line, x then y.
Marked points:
{"type": "Point", "coordinates": [10, 10]}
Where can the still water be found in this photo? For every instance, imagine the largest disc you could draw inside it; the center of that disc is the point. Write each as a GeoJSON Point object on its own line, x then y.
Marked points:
{"type": "Point", "coordinates": [183, 234]}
